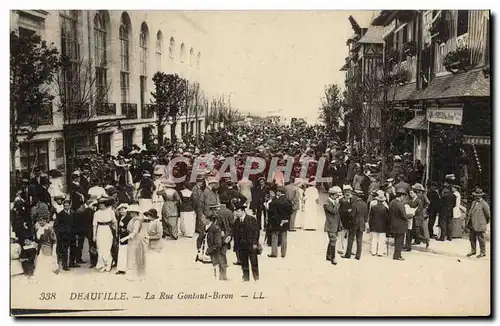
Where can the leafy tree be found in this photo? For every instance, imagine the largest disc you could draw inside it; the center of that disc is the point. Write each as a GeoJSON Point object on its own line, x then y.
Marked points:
{"type": "Point", "coordinates": [169, 98]}
{"type": "Point", "coordinates": [33, 66]}
{"type": "Point", "coordinates": [331, 110]}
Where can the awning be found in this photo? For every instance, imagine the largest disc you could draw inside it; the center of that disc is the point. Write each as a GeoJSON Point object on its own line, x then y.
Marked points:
{"type": "Point", "coordinates": [417, 123]}
{"type": "Point", "coordinates": [477, 140]}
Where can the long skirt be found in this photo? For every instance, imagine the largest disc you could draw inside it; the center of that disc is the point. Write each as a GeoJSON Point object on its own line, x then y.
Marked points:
{"type": "Point", "coordinates": [46, 266]}
{"type": "Point", "coordinates": [16, 268]}
{"type": "Point", "coordinates": [311, 216]}
{"type": "Point", "coordinates": [104, 242]}
{"type": "Point", "coordinates": [136, 259]}
{"type": "Point", "coordinates": [299, 219]}
{"type": "Point", "coordinates": [187, 224]}
{"type": "Point", "coordinates": [122, 258]}
{"type": "Point", "coordinates": [145, 204]}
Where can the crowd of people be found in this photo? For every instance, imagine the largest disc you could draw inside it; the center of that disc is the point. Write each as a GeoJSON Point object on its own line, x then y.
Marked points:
{"type": "Point", "coordinates": [125, 206]}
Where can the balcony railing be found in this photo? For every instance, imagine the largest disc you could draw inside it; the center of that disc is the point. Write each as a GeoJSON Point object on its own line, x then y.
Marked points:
{"type": "Point", "coordinates": [147, 111]}
{"type": "Point", "coordinates": [129, 110]}
{"type": "Point", "coordinates": [42, 117]}
{"type": "Point", "coordinates": [105, 109]}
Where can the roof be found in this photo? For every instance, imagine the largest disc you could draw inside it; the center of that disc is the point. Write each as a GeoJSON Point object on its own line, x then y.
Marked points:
{"type": "Point", "coordinates": [382, 17]}
{"type": "Point", "coordinates": [374, 35]}
{"type": "Point", "coordinates": [473, 83]}
{"type": "Point", "coordinates": [417, 123]}
{"type": "Point", "coordinates": [401, 93]}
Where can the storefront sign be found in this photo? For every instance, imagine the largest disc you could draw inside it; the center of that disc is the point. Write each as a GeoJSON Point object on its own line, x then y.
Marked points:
{"type": "Point", "coordinates": [450, 116]}
{"type": "Point", "coordinates": [477, 140]}
{"type": "Point", "coordinates": [389, 28]}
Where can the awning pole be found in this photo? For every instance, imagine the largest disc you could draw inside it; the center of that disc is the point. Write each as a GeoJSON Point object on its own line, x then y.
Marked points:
{"type": "Point", "coordinates": [428, 153]}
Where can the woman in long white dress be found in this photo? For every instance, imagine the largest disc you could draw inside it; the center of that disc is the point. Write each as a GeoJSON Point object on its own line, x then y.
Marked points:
{"type": "Point", "coordinates": [46, 261]}
{"type": "Point", "coordinates": [104, 226]}
{"type": "Point", "coordinates": [299, 218]}
{"type": "Point", "coordinates": [311, 204]}
{"type": "Point", "coordinates": [136, 247]}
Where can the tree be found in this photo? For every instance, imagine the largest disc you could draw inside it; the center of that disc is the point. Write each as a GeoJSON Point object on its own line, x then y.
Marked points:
{"type": "Point", "coordinates": [168, 100]}
{"type": "Point", "coordinates": [331, 110]}
{"type": "Point", "coordinates": [82, 96]}
{"type": "Point", "coordinates": [33, 66]}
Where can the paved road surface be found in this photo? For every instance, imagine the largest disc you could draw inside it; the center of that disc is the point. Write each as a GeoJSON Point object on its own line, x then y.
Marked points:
{"type": "Point", "coordinates": [303, 283]}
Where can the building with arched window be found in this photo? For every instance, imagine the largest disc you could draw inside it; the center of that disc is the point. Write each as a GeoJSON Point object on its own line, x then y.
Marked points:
{"type": "Point", "coordinates": [116, 46]}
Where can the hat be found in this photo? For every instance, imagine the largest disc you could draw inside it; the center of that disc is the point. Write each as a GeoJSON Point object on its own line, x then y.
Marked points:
{"type": "Point", "coordinates": [346, 187]}
{"type": "Point", "coordinates": [60, 196]}
{"type": "Point", "coordinates": [152, 213]}
{"type": "Point", "coordinates": [146, 174]}
{"type": "Point", "coordinates": [212, 180]}
{"type": "Point", "coordinates": [380, 195]}
{"type": "Point", "coordinates": [214, 206]}
{"type": "Point", "coordinates": [122, 205]}
{"type": "Point", "coordinates": [401, 191]}
{"type": "Point", "coordinates": [76, 173]}
{"type": "Point", "coordinates": [397, 158]}
{"type": "Point", "coordinates": [478, 192]}
{"type": "Point", "coordinates": [335, 190]}
{"type": "Point", "coordinates": [13, 236]}
{"type": "Point", "coordinates": [105, 200]}
{"type": "Point", "coordinates": [418, 187]}
{"type": "Point", "coordinates": [134, 208]}
{"type": "Point", "coordinates": [390, 180]}
{"type": "Point", "coordinates": [298, 181]}
{"type": "Point", "coordinates": [239, 204]}
{"type": "Point", "coordinates": [358, 192]}
{"type": "Point", "coordinates": [450, 177]}
{"type": "Point", "coordinates": [170, 183]}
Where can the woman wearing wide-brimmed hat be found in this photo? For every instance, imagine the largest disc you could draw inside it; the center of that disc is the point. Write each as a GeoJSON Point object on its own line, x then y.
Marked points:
{"type": "Point", "coordinates": [170, 210]}
{"type": "Point", "coordinates": [145, 191]}
{"type": "Point", "coordinates": [136, 251]}
{"type": "Point", "coordinates": [46, 262]}
{"type": "Point", "coordinates": [104, 224]}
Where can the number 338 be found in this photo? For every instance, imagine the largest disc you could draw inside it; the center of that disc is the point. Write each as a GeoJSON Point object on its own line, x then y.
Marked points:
{"type": "Point", "coordinates": [47, 296]}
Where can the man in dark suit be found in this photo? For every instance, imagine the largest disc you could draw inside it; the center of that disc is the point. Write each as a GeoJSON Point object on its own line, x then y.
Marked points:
{"type": "Point", "coordinates": [246, 241]}
{"type": "Point", "coordinates": [345, 211]}
{"type": "Point", "coordinates": [398, 222]}
{"type": "Point", "coordinates": [279, 214]}
{"type": "Point", "coordinates": [332, 221]}
{"type": "Point", "coordinates": [87, 232]}
{"type": "Point", "coordinates": [448, 202]}
{"type": "Point", "coordinates": [64, 230]}
{"type": "Point", "coordinates": [359, 216]}
{"type": "Point", "coordinates": [35, 185]}
{"type": "Point", "coordinates": [214, 243]}
{"type": "Point", "coordinates": [292, 194]}
{"type": "Point", "coordinates": [434, 206]}
{"type": "Point", "coordinates": [224, 219]}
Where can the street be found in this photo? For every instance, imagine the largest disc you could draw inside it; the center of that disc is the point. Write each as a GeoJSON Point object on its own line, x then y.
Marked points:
{"type": "Point", "coordinates": [302, 284]}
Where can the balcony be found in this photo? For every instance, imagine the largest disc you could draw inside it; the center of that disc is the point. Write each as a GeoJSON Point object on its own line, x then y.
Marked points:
{"type": "Point", "coordinates": [42, 118]}
{"type": "Point", "coordinates": [103, 109]}
{"type": "Point", "coordinates": [129, 110]}
{"type": "Point", "coordinates": [147, 111]}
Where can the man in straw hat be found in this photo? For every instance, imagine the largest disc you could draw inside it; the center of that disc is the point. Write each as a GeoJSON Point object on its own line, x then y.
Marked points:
{"type": "Point", "coordinates": [379, 224]}
{"type": "Point", "coordinates": [332, 222]}
{"type": "Point", "coordinates": [477, 220]}
{"type": "Point", "coordinates": [398, 221]}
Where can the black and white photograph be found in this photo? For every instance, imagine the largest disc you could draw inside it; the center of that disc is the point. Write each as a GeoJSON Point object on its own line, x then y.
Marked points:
{"type": "Point", "coordinates": [250, 163]}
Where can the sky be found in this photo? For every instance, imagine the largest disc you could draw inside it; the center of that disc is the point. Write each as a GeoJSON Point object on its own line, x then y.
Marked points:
{"type": "Point", "coordinates": [278, 62]}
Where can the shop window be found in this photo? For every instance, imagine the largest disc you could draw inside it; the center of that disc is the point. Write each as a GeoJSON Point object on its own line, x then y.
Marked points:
{"type": "Point", "coordinates": [60, 166]}
{"type": "Point", "coordinates": [34, 154]}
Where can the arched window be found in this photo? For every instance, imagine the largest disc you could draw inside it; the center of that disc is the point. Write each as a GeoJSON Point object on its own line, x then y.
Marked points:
{"type": "Point", "coordinates": [183, 54]}
{"type": "Point", "coordinates": [143, 43]}
{"type": "Point", "coordinates": [191, 57]}
{"type": "Point", "coordinates": [100, 56]}
{"type": "Point", "coordinates": [171, 49]}
{"type": "Point", "coordinates": [124, 58]}
{"type": "Point", "coordinates": [159, 45]}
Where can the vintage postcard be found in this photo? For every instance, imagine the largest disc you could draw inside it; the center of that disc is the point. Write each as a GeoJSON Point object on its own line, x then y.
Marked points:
{"type": "Point", "coordinates": [250, 163]}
